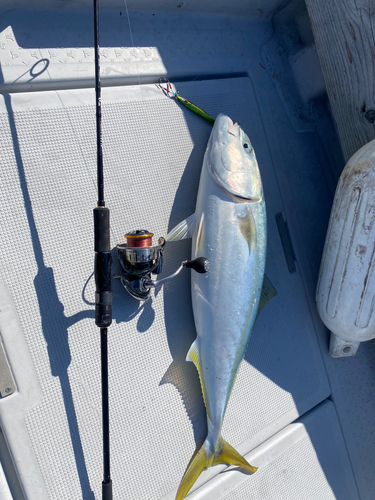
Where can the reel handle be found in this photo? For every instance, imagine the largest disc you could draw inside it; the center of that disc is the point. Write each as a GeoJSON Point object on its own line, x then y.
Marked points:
{"type": "Point", "coordinates": [201, 265]}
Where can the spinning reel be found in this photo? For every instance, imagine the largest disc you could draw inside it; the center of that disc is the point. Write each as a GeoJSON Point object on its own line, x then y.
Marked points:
{"type": "Point", "coordinates": [139, 259]}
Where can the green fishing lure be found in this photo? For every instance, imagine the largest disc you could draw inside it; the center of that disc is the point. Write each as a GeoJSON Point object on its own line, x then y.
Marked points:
{"type": "Point", "coordinates": [196, 109]}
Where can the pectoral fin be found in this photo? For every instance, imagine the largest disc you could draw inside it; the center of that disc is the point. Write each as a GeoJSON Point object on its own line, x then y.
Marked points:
{"type": "Point", "coordinates": [268, 292]}
{"type": "Point", "coordinates": [248, 229]}
{"type": "Point", "coordinates": [183, 230]}
{"type": "Point", "coordinates": [198, 246]}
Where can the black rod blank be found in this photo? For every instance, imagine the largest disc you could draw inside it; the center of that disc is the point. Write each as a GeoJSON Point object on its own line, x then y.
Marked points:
{"type": "Point", "coordinates": [102, 270]}
{"type": "Point", "coordinates": [98, 107]}
{"type": "Point", "coordinates": [107, 483]}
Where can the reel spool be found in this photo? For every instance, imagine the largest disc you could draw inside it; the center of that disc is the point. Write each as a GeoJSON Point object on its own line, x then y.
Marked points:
{"type": "Point", "coordinates": [139, 259]}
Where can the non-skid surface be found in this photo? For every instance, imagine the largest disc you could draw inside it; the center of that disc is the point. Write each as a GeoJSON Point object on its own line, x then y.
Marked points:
{"type": "Point", "coordinates": [304, 461]}
{"type": "Point", "coordinates": [153, 152]}
{"type": "Point", "coordinates": [353, 391]}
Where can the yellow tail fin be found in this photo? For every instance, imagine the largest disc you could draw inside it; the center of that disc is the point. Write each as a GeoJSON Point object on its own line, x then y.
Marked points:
{"type": "Point", "coordinates": [224, 454]}
{"type": "Point", "coordinates": [228, 455]}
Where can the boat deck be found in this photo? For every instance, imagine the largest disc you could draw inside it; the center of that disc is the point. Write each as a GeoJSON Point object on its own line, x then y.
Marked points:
{"type": "Point", "coordinates": [297, 414]}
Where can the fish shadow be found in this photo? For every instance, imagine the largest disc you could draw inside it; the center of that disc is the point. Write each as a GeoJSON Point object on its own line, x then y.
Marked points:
{"type": "Point", "coordinates": [55, 324]}
{"type": "Point", "coordinates": [179, 319]}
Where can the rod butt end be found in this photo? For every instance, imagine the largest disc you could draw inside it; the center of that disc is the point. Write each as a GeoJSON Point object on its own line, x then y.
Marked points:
{"type": "Point", "coordinates": [107, 490]}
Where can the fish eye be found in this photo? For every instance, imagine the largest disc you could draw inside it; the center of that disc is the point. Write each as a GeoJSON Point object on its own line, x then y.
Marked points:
{"type": "Point", "coordinates": [247, 146]}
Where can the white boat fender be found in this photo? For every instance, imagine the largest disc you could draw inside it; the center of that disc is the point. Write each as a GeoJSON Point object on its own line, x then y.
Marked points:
{"type": "Point", "coordinates": [345, 293]}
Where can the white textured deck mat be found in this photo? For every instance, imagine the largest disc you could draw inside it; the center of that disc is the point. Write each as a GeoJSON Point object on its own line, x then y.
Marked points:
{"type": "Point", "coordinates": [307, 460]}
{"type": "Point", "coordinates": [153, 152]}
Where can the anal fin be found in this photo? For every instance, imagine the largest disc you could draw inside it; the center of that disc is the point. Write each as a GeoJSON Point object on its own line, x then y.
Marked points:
{"type": "Point", "coordinates": [193, 356]}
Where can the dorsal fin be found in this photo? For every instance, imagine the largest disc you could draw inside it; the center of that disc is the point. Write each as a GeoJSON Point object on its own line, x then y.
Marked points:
{"type": "Point", "coordinates": [268, 292]}
{"type": "Point", "coordinates": [193, 356]}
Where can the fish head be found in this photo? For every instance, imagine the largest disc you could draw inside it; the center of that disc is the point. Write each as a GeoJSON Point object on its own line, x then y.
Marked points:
{"type": "Point", "coordinates": [232, 162]}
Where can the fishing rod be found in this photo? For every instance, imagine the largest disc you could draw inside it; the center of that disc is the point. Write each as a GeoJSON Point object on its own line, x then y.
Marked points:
{"type": "Point", "coordinates": [139, 259]}
{"type": "Point", "coordinates": [102, 269]}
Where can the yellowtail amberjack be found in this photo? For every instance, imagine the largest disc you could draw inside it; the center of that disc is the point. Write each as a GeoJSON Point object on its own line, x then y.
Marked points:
{"type": "Point", "coordinates": [229, 228]}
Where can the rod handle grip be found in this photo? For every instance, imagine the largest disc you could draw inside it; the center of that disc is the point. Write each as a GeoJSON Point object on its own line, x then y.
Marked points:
{"type": "Point", "coordinates": [103, 309]}
{"type": "Point", "coordinates": [103, 294]}
{"type": "Point", "coordinates": [102, 268]}
{"type": "Point", "coordinates": [101, 229]}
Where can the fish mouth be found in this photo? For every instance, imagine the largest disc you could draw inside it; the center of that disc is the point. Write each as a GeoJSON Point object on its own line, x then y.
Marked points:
{"type": "Point", "coordinates": [233, 128]}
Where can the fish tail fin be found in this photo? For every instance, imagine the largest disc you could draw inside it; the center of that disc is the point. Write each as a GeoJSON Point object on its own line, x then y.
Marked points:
{"type": "Point", "coordinates": [228, 455]}
{"type": "Point", "coordinates": [223, 454]}
{"type": "Point", "coordinates": [197, 465]}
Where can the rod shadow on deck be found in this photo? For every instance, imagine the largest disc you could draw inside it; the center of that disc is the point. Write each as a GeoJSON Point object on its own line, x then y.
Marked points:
{"type": "Point", "coordinates": [55, 324]}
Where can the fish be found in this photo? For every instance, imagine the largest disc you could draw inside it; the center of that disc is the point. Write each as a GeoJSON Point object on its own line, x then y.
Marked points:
{"type": "Point", "coordinates": [229, 228]}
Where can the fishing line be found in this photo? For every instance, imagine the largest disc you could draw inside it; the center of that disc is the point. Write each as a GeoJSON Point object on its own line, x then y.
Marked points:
{"type": "Point", "coordinates": [138, 258]}
{"type": "Point", "coordinates": [146, 117]}
{"type": "Point", "coordinates": [132, 41]}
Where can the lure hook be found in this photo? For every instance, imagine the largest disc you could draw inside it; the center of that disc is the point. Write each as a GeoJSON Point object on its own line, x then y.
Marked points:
{"type": "Point", "coordinates": [171, 93]}
{"type": "Point", "coordinates": [167, 90]}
